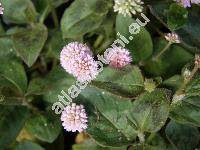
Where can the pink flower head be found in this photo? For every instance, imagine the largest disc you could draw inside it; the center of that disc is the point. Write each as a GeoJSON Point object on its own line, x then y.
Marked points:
{"type": "Point", "coordinates": [1, 9]}
{"type": "Point", "coordinates": [195, 1]}
{"type": "Point", "coordinates": [187, 3]}
{"type": "Point", "coordinates": [76, 59]}
{"type": "Point", "coordinates": [172, 37]}
{"type": "Point", "coordinates": [118, 57]}
{"type": "Point", "coordinates": [74, 118]}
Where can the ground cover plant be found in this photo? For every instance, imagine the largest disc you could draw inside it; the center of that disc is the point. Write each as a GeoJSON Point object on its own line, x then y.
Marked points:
{"type": "Point", "coordinates": [99, 74]}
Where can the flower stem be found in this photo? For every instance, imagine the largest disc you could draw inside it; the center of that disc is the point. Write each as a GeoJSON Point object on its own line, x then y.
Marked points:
{"type": "Point", "coordinates": [162, 51]}
{"type": "Point", "coordinates": [54, 14]}
{"type": "Point", "coordinates": [29, 105]}
{"type": "Point", "coordinates": [44, 14]}
{"type": "Point", "coordinates": [98, 41]}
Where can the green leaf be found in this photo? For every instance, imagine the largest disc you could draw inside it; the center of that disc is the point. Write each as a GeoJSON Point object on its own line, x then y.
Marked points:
{"type": "Point", "coordinates": [127, 82]}
{"type": "Point", "coordinates": [159, 9]}
{"type": "Point", "coordinates": [174, 82]}
{"type": "Point", "coordinates": [108, 123]}
{"type": "Point", "coordinates": [45, 127]}
{"type": "Point", "coordinates": [44, 5]}
{"type": "Point", "coordinates": [38, 86]}
{"type": "Point", "coordinates": [19, 11]}
{"type": "Point", "coordinates": [56, 43]}
{"type": "Point", "coordinates": [57, 80]}
{"type": "Point", "coordinates": [28, 145]}
{"type": "Point", "coordinates": [6, 48]}
{"type": "Point", "coordinates": [187, 110]}
{"type": "Point", "coordinates": [12, 73]}
{"type": "Point", "coordinates": [182, 136]}
{"type": "Point", "coordinates": [177, 16]}
{"type": "Point", "coordinates": [157, 141]}
{"type": "Point", "coordinates": [140, 46]}
{"type": "Point", "coordinates": [90, 144]}
{"type": "Point", "coordinates": [193, 88]}
{"type": "Point", "coordinates": [189, 33]}
{"type": "Point", "coordinates": [175, 56]}
{"type": "Point", "coordinates": [28, 42]}
{"type": "Point", "coordinates": [12, 121]}
{"type": "Point", "coordinates": [150, 111]}
{"type": "Point", "coordinates": [83, 16]}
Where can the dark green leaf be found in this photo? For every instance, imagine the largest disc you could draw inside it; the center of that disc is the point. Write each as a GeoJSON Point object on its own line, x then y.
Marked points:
{"type": "Point", "coordinates": [45, 127]}
{"type": "Point", "coordinates": [13, 73]}
{"type": "Point", "coordinates": [150, 111]}
{"type": "Point", "coordinates": [108, 122]}
{"type": "Point", "coordinates": [177, 16]}
{"type": "Point", "coordinates": [18, 11]}
{"type": "Point", "coordinates": [61, 81]}
{"type": "Point", "coordinates": [83, 16]}
{"type": "Point", "coordinates": [174, 82]}
{"type": "Point", "coordinates": [28, 145]}
{"type": "Point", "coordinates": [187, 110]}
{"type": "Point", "coordinates": [190, 32]}
{"type": "Point", "coordinates": [28, 42]}
{"type": "Point", "coordinates": [56, 43]}
{"type": "Point", "coordinates": [172, 60]}
{"type": "Point", "coordinates": [12, 121]}
{"type": "Point", "coordinates": [90, 144]}
{"type": "Point", "coordinates": [140, 46]}
{"type": "Point", "coordinates": [182, 136]}
{"type": "Point", "coordinates": [127, 82]}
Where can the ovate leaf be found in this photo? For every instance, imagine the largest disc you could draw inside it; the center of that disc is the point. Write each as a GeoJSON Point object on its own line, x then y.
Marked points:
{"type": "Point", "coordinates": [28, 42]}
{"type": "Point", "coordinates": [150, 111]}
{"type": "Point", "coordinates": [18, 11]}
{"type": "Point", "coordinates": [83, 16]}
{"type": "Point", "coordinates": [12, 74]}
{"type": "Point", "coordinates": [127, 81]}
{"type": "Point", "coordinates": [187, 110]}
{"type": "Point", "coordinates": [175, 56]}
{"type": "Point", "coordinates": [12, 121]}
{"type": "Point", "coordinates": [140, 44]}
{"type": "Point", "coordinates": [177, 16]}
{"type": "Point", "coordinates": [182, 136]}
{"type": "Point", "coordinates": [90, 144]}
{"type": "Point", "coordinates": [45, 127]}
{"type": "Point", "coordinates": [56, 81]}
{"type": "Point", "coordinates": [28, 145]}
{"type": "Point", "coordinates": [108, 123]}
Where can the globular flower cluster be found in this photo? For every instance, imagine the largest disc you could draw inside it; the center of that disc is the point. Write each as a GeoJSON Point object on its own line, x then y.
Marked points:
{"type": "Point", "coordinates": [118, 57]}
{"type": "Point", "coordinates": [187, 3]}
{"type": "Point", "coordinates": [74, 118]}
{"type": "Point", "coordinates": [76, 59]}
{"type": "Point", "coordinates": [172, 37]}
{"type": "Point", "coordinates": [128, 7]}
{"type": "Point", "coordinates": [1, 9]}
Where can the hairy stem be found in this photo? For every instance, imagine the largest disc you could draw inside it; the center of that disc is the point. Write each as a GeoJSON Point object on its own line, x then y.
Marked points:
{"type": "Point", "coordinates": [54, 14]}
{"type": "Point", "coordinates": [98, 41]}
{"type": "Point", "coordinates": [162, 51]}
